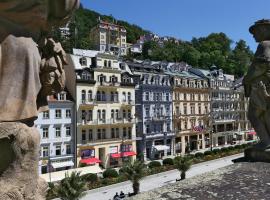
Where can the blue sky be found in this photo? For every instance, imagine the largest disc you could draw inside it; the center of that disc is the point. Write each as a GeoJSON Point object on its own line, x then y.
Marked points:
{"type": "Point", "coordinates": [185, 19]}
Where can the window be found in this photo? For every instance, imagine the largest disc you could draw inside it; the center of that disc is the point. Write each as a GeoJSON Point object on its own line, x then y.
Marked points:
{"type": "Point", "coordinates": [58, 132]}
{"type": "Point", "coordinates": [147, 113]}
{"type": "Point", "coordinates": [103, 133]}
{"type": "Point", "coordinates": [68, 149]}
{"type": "Point", "coordinates": [103, 96]}
{"type": "Point", "coordinates": [99, 134]}
{"type": "Point", "coordinates": [45, 151]}
{"type": "Point", "coordinates": [58, 113]}
{"type": "Point", "coordinates": [105, 63]}
{"type": "Point", "coordinates": [129, 96]}
{"type": "Point", "coordinates": [147, 128]}
{"type": "Point", "coordinates": [113, 133]}
{"type": "Point", "coordinates": [192, 110]}
{"type": "Point", "coordinates": [110, 63]}
{"type": "Point", "coordinates": [68, 131]}
{"type": "Point", "coordinates": [117, 132]}
{"type": "Point", "coordinates": [103, 114]}
{"type": "Point", "coordinates": [90, 115]}
{"type": "Point", "coordinates": [185, 110]}
{"type": "Point", "coordinates": [124, 96]}
{"type": "Point", "coordinates": [167, 96]}
{"type": "Point", "coordinates": [83, 115]}
{"type": "Point", "coordinates": [146, 96]}
{"type": "Point", "coordinates": [90, 95]}
{"type": "Point", "coordinates": [124, 132]}
{"type": "Point", "coordinates": [58, 150]}
{"type": "Point", "coordinates": [124, 114]}
{"type": "Point", "coordinates": [46, 115]}
{"type": "Point", "coordinates": [83, 96]}
{"type": "Point", "coordinates": [45, 133]}
{"type": "Point", "coordinates": [185, 96]}
{"type": "Point", "coordinates": [112, 114]}
{"type": "Point", "coordinates": [126, 147]}
{"type": "Point", "coordinates": [83, 61]}
{"type": "Point", "coordinates": [68, 113]}
{"type": "Point", "coordinates": [62, 96]}
{"type": "Point", "coordinates": [90, 134]}
{"type": "Point", "coordinates": [83, 136]}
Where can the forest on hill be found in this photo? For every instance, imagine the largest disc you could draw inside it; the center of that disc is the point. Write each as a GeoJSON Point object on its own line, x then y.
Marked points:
{"type": "Point", "coordinates": [215, 49]}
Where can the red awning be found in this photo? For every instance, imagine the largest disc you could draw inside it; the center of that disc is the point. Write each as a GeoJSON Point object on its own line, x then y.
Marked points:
{"type": "Point", "coordinates": [129, 153]}
{"type": "Point", "coordinates": [90, 161]}
{"type": "Point", "coordinates": [116, 155]}
{"type": "Point", "coordinates": [124, 154]}
{"type": "Point", "coordinates": [252, 133]}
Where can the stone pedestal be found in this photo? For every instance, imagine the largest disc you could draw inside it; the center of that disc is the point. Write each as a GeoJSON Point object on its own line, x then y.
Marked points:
{"type": "Point", "coordinates": [19, 155]}
{"type": "Point", "coordinates": [257, 155]}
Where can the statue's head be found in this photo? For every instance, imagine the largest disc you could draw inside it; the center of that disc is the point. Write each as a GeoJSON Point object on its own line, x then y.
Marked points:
{"type": "Point", "coordinates": [261, 30]}
{"type": "Point", "coordinates": [34, 15]}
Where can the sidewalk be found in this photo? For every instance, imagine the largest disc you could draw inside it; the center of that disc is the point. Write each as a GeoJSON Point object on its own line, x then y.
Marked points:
{"type": "Point", "coordinates": [159, 180]}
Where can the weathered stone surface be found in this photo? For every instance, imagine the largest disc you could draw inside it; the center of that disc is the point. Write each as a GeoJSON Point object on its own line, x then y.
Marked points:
{"type": "Point", "coordinates": [257, 155]}
{"type": "Point", "coordinates": [238, 181]}
{"type": "Point", "coordinates": [19, 179]}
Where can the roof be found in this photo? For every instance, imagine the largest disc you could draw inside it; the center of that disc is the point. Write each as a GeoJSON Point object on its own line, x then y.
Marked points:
{"type": "Point", "coordinates": [83, 52]}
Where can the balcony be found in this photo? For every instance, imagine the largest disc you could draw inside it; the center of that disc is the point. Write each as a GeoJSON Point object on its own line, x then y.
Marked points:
{"type": "Point", "coordinates": [88, 103]}
{"type": "Point", "coordinates": [108, 84]}
{"type": "Point", "coordinates": [98, 122]}
{"type": "Point", "coordinates": [128, 102]}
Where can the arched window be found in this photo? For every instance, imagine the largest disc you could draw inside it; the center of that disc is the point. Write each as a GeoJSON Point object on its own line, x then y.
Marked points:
{"type": "Point", "coordinates": [129, 96]}
{"type": "Point", "coordinates": [90, 95]}
{"type": "Point", "coordinates": [99, 114]}
{"type": "Point", "coordinates": [83, 96]}
{"type": "Point", "coordinates": [112, 114]}
{"type": "Point", "coordinates": [124, 97]}
{"type": "Point", "coordinates": [103, 114]}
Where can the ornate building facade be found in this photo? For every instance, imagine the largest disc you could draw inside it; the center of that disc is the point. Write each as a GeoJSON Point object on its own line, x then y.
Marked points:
{"type": "Point", "coordinates": [153, 110]}
{"type": "Point", "coordinates": [105, 95]}
{"type": "Point", "coordinates": [191, 107]}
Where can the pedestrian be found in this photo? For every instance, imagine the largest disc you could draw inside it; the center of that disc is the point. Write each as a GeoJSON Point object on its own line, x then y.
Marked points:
{"type": "Point", "coordinates": [122, 195]}
{"type": "Point", "coordinates": [116, 196]}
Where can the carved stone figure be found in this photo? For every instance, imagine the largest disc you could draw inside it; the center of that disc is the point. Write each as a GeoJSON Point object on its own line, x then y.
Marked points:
{"type": "Point", "coordinates": [257, 88]}
{"type": "Point", "coordinates": [31, 68]}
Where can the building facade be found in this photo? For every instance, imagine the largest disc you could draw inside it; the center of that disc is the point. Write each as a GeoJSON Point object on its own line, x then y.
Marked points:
{"type": "Point", "coordinates": [109, 37]}
{"type": "Point", "coordinates": [191, 109]}
{"type": "Point", "coordinates": [56, 127]}
{"type": "Point", "coordinates": [228, 112]}
{"type": "Point", "coordinates": [105, 95]}
{"type": "Point", "coordinates": [153, 110]}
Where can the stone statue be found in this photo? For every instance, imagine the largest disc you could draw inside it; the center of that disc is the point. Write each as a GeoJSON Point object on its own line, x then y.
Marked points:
{"type": "Point", "coordinates": [31, 68]}
{"type": "Point", "coordinates": [257, 88]}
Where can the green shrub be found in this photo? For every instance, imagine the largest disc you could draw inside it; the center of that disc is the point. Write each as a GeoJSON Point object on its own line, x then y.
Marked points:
{"type": "Point", "coordinates": [230, 148]}
{"type": "Point", "coordinates": [199, 155]}
{"type": "Point", "coordinates": [244, 146]}
{"type": "Point", "coordinates": [216, 151]}
{"type": "Point", "coordinates": [154, 164]}
{"type": "Point", "coordinates": [82, 165]}
{"type": "Point", "coordinates": [168, 161]}
{"type": "Point", "coordinates": [190, 156]}
{"type": "Point", "coordinates": [90, 178]}
{"type": "Point", "coordinates": [224, 149]}
{"type": "Point", "coordinates": [110, 173]}
{"type": "Point", "coordinates": [238, 147]}
{"type": "Point", "coordinates": [206, 153]}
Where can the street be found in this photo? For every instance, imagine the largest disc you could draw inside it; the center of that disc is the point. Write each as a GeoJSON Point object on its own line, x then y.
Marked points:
{"type": "Point", "coordinates": [159, 180]}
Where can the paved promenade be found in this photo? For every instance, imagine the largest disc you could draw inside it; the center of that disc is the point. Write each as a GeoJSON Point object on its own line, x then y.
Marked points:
{"type": "Point", "coordinates": [159, 180]}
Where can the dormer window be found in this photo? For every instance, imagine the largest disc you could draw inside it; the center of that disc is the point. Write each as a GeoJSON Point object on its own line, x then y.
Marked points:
{"type": "Point", "coordinates": [83, 61]}
{"type": "Point", "coordinates": [62, 96]}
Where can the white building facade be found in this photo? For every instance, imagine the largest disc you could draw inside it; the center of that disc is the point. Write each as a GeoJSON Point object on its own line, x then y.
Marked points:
{"type": "Point", "coordinates": [56, 127]}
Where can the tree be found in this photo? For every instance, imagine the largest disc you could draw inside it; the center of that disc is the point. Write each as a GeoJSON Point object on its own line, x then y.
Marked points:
{"type": "Point", "coordinates": [71, 187]}
{"type": "Point", "coordinates": [183, 164]}
{"type": "Point", "coordinates": [134, 173]}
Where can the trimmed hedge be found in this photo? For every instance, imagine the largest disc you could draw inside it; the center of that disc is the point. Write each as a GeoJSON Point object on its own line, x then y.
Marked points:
{"type": "Point", "coordinates": [90, 178]}
{"type": "Point", "coordinates": [199, 155]}
{"type": "Point", "coordinates": [216, 151]}
{"type": "Point", "coordinates": [207, 153]}
{"type": "Point", "coordinates": [168, 161]}
{"type": "Point", "coordinates": [110, 173]}
{"type": "Point", "coordinates": [154, 164]}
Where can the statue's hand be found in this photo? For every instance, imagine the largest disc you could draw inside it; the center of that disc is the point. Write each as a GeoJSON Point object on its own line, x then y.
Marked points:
{"type": "Point", "coordinates": [263, 87]}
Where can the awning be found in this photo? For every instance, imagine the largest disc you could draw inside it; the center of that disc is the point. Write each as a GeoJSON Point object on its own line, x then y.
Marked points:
{"type": "Point", "coordinates": [57, 165]}
{"type": "Point", "coordinates": [129, 153]}
{"type": "Point", "coordinates": [124, 154]}
{"type": "Point", "coordinates": [90, 161]}
{"type": "Point", "coordinates": [116, 155]}
{"type": "Point", "coordinates": [252, 133]}
{"type": "Point", "coordinates": [161, 147]}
